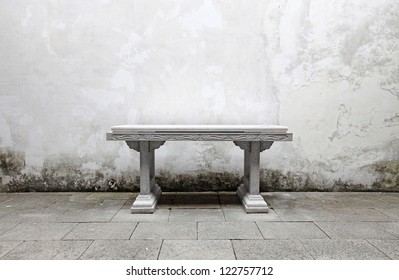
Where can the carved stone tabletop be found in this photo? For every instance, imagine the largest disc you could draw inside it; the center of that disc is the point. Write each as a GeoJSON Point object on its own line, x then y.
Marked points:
{"type": "Point", "coordinates": [199, 133]}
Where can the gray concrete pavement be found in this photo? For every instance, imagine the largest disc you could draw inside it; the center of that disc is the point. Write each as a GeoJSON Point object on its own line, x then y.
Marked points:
{"type": "Point", "coordinates": [212, 225]}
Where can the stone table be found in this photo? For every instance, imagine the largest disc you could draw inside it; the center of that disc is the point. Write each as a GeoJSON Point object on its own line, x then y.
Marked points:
{"type": "Point", "coordinates": [253, 139]}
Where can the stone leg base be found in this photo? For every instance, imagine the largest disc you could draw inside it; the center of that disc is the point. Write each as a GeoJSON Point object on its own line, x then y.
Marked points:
{"type": "Point", "coordinates": [253, 203]}
{"type": "Point", "coordinates": [146, 203]}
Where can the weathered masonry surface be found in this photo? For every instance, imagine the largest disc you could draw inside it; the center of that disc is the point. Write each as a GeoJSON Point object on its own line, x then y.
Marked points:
{"type": "Point", "coordinates": [71, 69]}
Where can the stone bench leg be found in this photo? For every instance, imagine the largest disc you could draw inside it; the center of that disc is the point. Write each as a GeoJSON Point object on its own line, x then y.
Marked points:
{"type": "Point", "coordinates": [248, 192]}
{"type": "Point", "coordinates": [150, 192]}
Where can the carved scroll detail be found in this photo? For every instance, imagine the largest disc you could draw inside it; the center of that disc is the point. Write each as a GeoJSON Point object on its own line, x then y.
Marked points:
{"type": "Point", "coordinates": [246, 146]}
{"type": "Point", "coordinates": [200, 137]}
{"type": "Point", "coordinates": [135, 145]}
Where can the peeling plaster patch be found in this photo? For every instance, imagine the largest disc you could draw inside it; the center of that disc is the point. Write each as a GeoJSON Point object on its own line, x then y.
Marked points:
{"type": "Point", "coordinates": [392, 121]}
{"type": "Point", "coordinates": [346, 126]}
{"type": "Point", "coordinates": [334, 41]}
{"type": "Point", "coordinates": [337, 131]}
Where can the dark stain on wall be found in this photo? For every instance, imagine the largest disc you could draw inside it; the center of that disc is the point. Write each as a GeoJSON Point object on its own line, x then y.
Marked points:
{"type": "Point", "coordinates": [49, 181]}
{"type": "Point", "coordinates": [208, 181]}
{"type": "Point", "coordinates": [388, 175]}
{"type": "Point", "coordinates": [11, 162]}
{"type": "Point", "coordinates": [65, 173]}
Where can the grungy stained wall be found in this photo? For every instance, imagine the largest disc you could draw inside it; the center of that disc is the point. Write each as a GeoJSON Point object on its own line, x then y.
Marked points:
{"type": "Point", "coordinates": [71, 69]}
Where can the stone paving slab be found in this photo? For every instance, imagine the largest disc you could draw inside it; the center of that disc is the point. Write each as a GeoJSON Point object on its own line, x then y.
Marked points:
{"type": "Point", "coordinates": [290, 230]}
{"type": "Point", "coordinates": [330, 200]}
{"type": "Point", "coordinates": [361, 225]}
{"type": "Point", "coordinates": [21, 201]}
{"type": "Point", "coordinates": [393, 213]}
{"type": "Point", "coordinates": [228, 230]}
{"type": "Point", "coordinates": [100, 196]}
{"type": "Point", "coordinates": [355, 230]}
{"type": "Point", "coordinates": [197, 250]}
{"type": "Point", "coordinates": [97, 231]}
{"type": "Point", "coordinates": [62, 205]}
{"type": "Point", "coordinates": [4, 211]}
{"type": "Point", "coordinates": [343, 199]}
{"type": "Point", "coordinates": [195, 215]}
{"type": "Point", "coordinates": [6, 246]}
{"type": "Point", "coordinates": [125, 215]}
{"type": "Point", "coordinates": [328, 249]}
{"type": "Point", "coordinates": [165, 230]}
{"type": "Point", "coordinates": [388, 247]}
{"type": "Point", "coordinates": [345, 215]}
{"type": "Point", "coordinates": [270, 250]}
{"type": "Point", "coordinates": [39, 231]}
{"type": "Point", "coordinates": [238, 214]}
{"type": "Point", "coordinates": [292, 215]}
{"type": "Point", "coordinates": [283, 200]}
{"type": "Point", "coordinates": [333, 215]}
{"type": "Point", "coordinates": [6, 226]}
{"type": "Point", "coordinates": [387, 200]}
{"type": "Point", "coordinates": [123, 250]}
{"type": "Point", "coordinates": [48, 250]}
{"type": "Point", "coordinates": [75, 196]}
{"type": "Point", "coordinates": [4, 198]}
{"type": "Point", "coordinates": [29, 216]}
{"type": "Point", "coordinates": [66, 205]}
{"type": "Point", "coordinates": [392, 228]}
{"type": "Point", "coordinates": [85, 216]}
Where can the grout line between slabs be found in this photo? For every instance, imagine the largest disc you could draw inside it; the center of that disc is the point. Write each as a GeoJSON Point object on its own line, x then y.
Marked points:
{"type": "Point", "coordinates": [135, 227]}
{"type": "Point", "coordinates": [378, 249]}
{"type": "Point", "coordinates": [234, 251]}
{"type": "Point", "coordinates": [160, 248]}
{"type": "Point", "coordinates": [321, 229]}
{"type": "Point", "coordinates": [79, 258]}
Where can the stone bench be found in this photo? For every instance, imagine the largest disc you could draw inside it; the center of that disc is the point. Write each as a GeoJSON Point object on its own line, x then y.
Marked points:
{"type": "Point", "coordinates": [253, 139]}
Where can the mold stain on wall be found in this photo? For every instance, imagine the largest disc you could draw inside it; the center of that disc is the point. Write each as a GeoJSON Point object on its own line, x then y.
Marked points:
{"type": "Point", "coordinates": [66, 174]}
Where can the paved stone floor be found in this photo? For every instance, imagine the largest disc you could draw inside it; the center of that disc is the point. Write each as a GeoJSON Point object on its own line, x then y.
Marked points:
{"type": "Point", "coordinates": [199, 226]}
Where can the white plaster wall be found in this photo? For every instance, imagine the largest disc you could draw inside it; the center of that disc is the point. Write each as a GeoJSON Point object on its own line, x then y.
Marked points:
{"type": "Point", "coordinates": [329, 70]}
